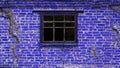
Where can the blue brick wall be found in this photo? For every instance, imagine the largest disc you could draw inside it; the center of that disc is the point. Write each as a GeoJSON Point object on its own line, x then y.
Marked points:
{"type": "Point", "coordinates": [93, 32]}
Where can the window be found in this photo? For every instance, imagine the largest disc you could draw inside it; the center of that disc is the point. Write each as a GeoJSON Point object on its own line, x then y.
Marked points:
{"type": "Point", "coordinates": [59, 28]}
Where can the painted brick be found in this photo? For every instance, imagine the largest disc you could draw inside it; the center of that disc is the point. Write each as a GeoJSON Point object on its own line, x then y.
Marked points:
{"type": "Point", "coordinates": [93, 30]}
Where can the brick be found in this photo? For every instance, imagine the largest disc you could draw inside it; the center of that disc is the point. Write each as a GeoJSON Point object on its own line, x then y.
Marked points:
{"type": "Point", "coordinates": [93, 29]}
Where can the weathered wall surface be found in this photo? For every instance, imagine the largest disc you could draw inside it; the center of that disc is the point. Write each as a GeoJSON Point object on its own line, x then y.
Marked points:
{"type": "Point", "coordinates": [95, 35]}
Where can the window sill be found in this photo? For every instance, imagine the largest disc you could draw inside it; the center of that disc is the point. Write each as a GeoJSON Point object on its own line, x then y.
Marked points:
{"type": "Point", "coordinates": [60, 44]}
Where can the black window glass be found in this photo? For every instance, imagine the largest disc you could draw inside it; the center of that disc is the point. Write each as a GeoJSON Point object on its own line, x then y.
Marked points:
{"type": "Point", "coordinates": [59, 24]}
{"type": "Point", "coordinates": [58, 34]}
{"type": "Point", "coordinates": [69, 34]}
{"type": "Point", "coordinates": [69, 18]}
{"type": "Point", "coordinates": [48, 34]}
{"type": "Point", "coordinates": [59, 18]}
{"type": "Point", "coordinates": [48, 18]}
{"type": "Point", "coordinates": [71, 24]}
{"type": "Point", "coordinates": [59, 28]}
{"type": "Point", "coordinates": [48, 24]}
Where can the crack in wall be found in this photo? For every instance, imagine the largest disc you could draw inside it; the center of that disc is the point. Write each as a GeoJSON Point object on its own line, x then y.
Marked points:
{"type": "Point", "coordinates": [13, 30]}
{"type": "Point", "coordinates": [12, 48]}
{"type": "Point", "coordinates": [116, 42]}
{"type": "Point", "coordinates": [95, 53]}
{"type": "Point", "coordinates": [115, 29]}
{"type": "Point", "coordinates": [116, 6]}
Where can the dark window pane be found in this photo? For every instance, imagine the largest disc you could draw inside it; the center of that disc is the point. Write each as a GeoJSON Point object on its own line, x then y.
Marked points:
{"type": "Point", "coordinates": [69, 34]}
{"type": "Point", "coordinates": [69, 18]}
{"type": "Point", "coordinates": [59, 18]}
{"type": "Point", "coordinates": [48, 18]}
{"type": "Point", "coordinates": [64, 33]}
{"type": "Point", "coordinates": [48, 34]}
{"type": "Point", "coordinates": [72, 24]}
{"type": "Point", "coordinates": [59, 34]}
{"type": "Point", "coordinates": [48, 24]}
{"type": "Point", "coordinates": [59, 24]}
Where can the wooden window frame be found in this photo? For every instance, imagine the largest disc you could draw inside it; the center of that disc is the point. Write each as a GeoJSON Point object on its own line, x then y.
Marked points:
{"type": "Point", "coordinates": [54, 14]}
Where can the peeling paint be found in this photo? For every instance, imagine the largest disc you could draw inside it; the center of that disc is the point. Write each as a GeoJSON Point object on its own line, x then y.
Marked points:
{"type": "Point", "coordinates": [13, 51]}
{"type": "Point", "coordinates": [116, 6]}
{"type": "Point", "coordinates": [95, 53]}
{"type": "Point", "coordinates": [115, 28]}
{"type": "Point", "coordinates": [13, 30]}
{"type": "Point", "coordinates": [116, 42]}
